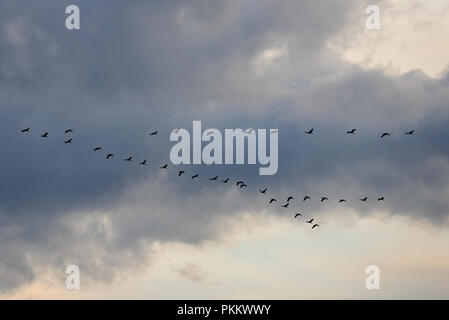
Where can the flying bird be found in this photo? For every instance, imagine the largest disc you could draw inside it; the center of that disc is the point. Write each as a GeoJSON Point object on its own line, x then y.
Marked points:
{"type": "Point", "coordinates": [272, 200]}
{"type": "Point", "coordinates": [153, 133]}
{"type": "Point", "coordinates": [45, 135]}
{"type": "Point", "coordinates": [225, 180]}
{"type": "Point", "coordinates": [310, 221]}
{"type": "Point", "coordinates": [164, 166]}
{"type": "Point", "coordinates": [381, 199]}
{"type": "Point", "coordinates": [68, 141]}
{"type": "Point", "coordinates": [239, 182]}
{"type": "Point", "coordinates": [195, 176]}
{"type": "Point", "coordinates": [364, 199]}
{"type": "Point", "coordinates": [352, 131]}
{"type": "Point", "coordinates": [289, 198]}
{"type": "Point", "coordinates": [143, 163]}
{"type": "Point", "coordinates": [315, 225]}
{"type": "Point", "coordinates": [410, 132]}
{"type": "Point", "coordinates": [129, 159]}
{"type": "Point", "coordinates": [341, 200]}
{"type": "Point", "coordinates": [385, 134]}
{"type": "Point", "coordinates": [110, 155]}
{"type": "Point", "coordinates": [98, 148]}
{"type": "Point", "coordinates": [324, 198]}
{"type": "Point", "coordinates": [285, 205]}
{"type": "Point", "coordinates": [180, 172]}
{"type": "Point", "coordinates": [305, 198]}
{"type": "Point", "coordinates": [26, 130]}
{"type": "Point", "coordinates": [263, 191]}
{"type": "Point", "coordinates": [297, 215]}
{"type": "Point", "coordinates": [309, 132]}
{"type": "Point", "coordinates": [68, 130]}
{"type": "Point", "coordinates": [214, 178]}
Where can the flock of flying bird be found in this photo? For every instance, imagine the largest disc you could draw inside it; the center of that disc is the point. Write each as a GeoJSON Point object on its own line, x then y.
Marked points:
{"type": "Point", "coordinates": [240, 184]}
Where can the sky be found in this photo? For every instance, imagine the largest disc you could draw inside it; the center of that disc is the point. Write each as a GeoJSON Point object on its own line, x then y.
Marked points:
{"type": "Point", "coordinates": [144, 233]}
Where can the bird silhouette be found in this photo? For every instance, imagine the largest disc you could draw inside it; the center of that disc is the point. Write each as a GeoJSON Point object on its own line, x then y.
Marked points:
{"type": "Point", "coordinates": [289, 198]}
{"type": "Point", "coordinates": [315, 225]}
{"type": "Point", "coordinates": [45, 135]}
{"type": "Point", "coordinates": [324, 198]}
{"type": "Point", "coordinates": [143, 163]}
{"type": "Point", "coordinates": [309, 132]}
{"type": "Point", "coordinates": [310, 221]}
{"type": "Point", "coordinates": [180, 172]}
{"type": "Point", "coordinates": [305, 198]}
{"type": "Point", "coordinates": [68, 141]}
{"type": "Point", "coordinates": [195, 176]}
{"type": "Point", "coordinates": [410, 132]}
{"type": "Point", "coordinates": [297, 215]}
{"type": "Point", "coordinates": [352, 131]}
{"type": "Point", "coordinates": [272, 200]}
{"type": "Point", "coordinates": [385, 134]}
{"type": "Point", "coordinates": [263, 191]}
{"type": "Point", "coordinates": [68, 130]}
{"type": "Point", "coordinates": [214, 178]}
{"type": "Point", "coordinates": [164, 166]}
{"type": "Point", "coordinates": [26, 130]}
{"type": "Point", "coordinates": [239, 182]}
{"type": "Point", "coordinates": [341, 200]}
{"type": "Point", "coordinates": [285, 205]}
{"type": "Point", "coordinates": [381, 199]}
{"type": "Point", "coordinates": [98, 148]}
{"type": "Point", "coordinates": [129, 159]}
{"type": "Point", "coordinates": [364, 199]}
{"type": "Point", "coordinates": [153, 133]}
{"type": "Point", "coordinates": [109, 155]}
{"type": "Point", "coordinates": [225, 180]}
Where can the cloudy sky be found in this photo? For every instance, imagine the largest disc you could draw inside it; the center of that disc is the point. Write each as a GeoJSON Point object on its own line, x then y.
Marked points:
{"type": "Point", "coordinates": [142, 232]}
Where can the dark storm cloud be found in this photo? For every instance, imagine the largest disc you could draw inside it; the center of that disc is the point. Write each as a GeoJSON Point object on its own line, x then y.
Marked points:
{"type": "Point", "coordinates": [137, 67]}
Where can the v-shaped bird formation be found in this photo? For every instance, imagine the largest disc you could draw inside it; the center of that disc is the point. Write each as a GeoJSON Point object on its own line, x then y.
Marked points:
{"type": "Point", "coordinates": [240, 184]}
